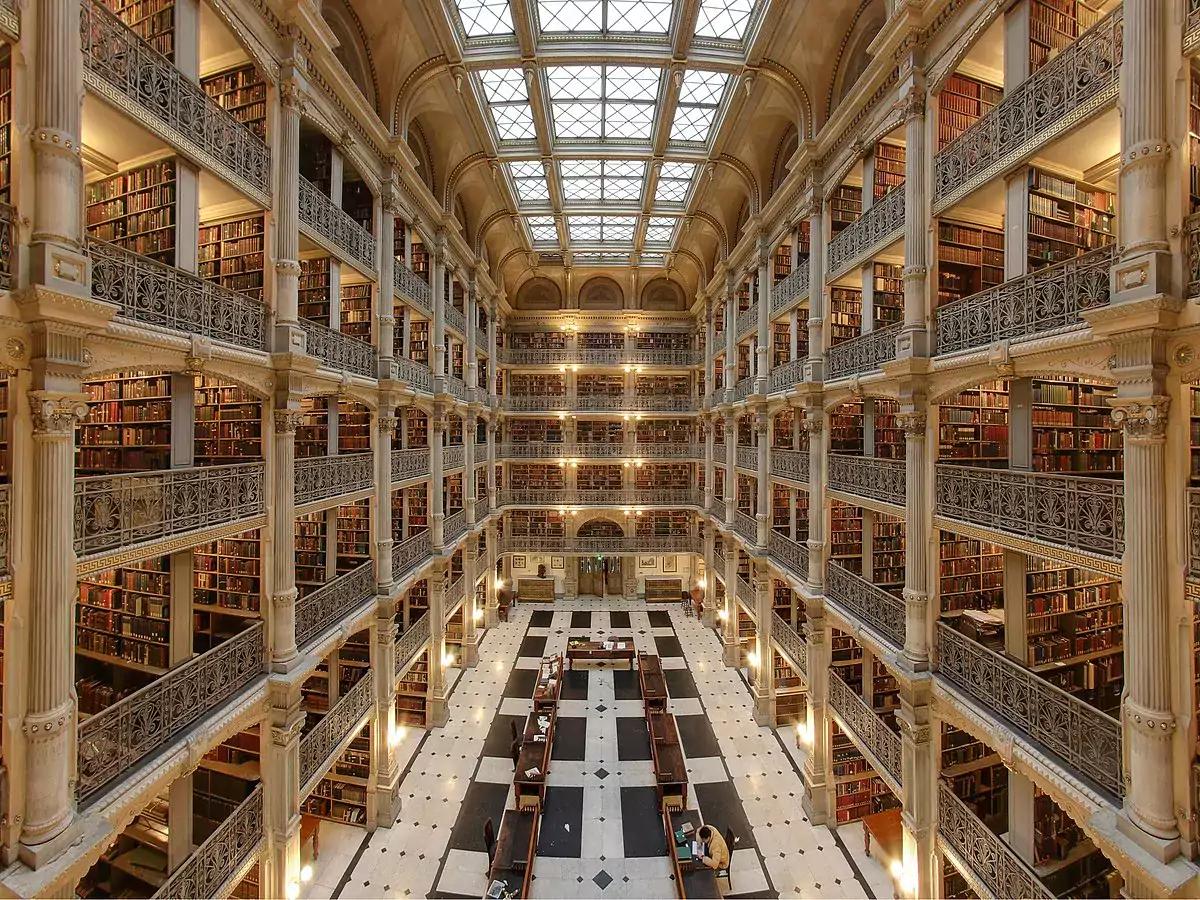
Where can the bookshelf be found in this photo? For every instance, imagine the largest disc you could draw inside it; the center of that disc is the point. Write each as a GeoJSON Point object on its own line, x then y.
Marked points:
{"type": "Point", "coordinates": [452, 495]}
{"type": "Point", "coordinates": [228, 576]}
{"type": "Point", "coordinates": [781, 344]}
{"type": "Point", "coordinates": [846, 428]}
{"type": "Point", "coordinates": [665, 476]}
{"type": "Point", "coordinates": [310, 551]}
{"type": "Point", "coordinates": [151, 20]}
{"type": "Point", "coordinates": [845, 314]}
{"type": "Point", "coordinates": [228, 426]}
{"type": "Point", "coordinates": [238, 755]}
{"type": "Point", "coordinates": [970, 259]}
{"type": "Point", "coordinates": [242, 92]}
{"type": "Point", "coordinates": [413, 692]}
{"type": "Point", "coordinates": [535, 523]}
{"type": "Point", "coordinates": [135, 210]}
{"type": "Point", "coordinates": [888, 293]}
{"type": "Point", "coordinates": [859, 792]}
{"type": "Point", "coordinates": [962, 102]}
{"type": "Point", "coordinates": [535, 477]}
{"type": "Point", "coordinates": [599, 478]}
{"type": "Point", "coordinates": [663, 340]}
{"type": "Point", "coordinates": [1067, 218]}
{"type": "Point", "coordinates": [341, 796]}
{"type": "Point", "coordinates": [123, 616]}
{"type": "Point", "coordinates": [417, 429]}
{"type": "Point", "coordinates": [971, 574]}
{"type": "Point", "coordinates": [5, 124]}
{"type": "Point", "coordinates": [664, 523]}
{"type": "Point", "coordinates": [538, 340]}
{"type": "Point", "coordinates": [416, 503]}
{"type": "Point", "coordinates": [1054, 25]}
{"type": "Point", "coordinates": [418, 341]}
{"type": "Point", "coordinates": [420, 259]}
{"type": "Point", "coordinates": [975, 773]}
{"type": "Point", "coordinates": [889, 439]}
{"type": "Point", "coordinates": [528, 385]}
{"type": "Point", "coordinates": [662, 385]}
{"type": "Point", "coordinates": [1072, 428]}
{"type": "Point", "coordinates": [887, 552]}
{"type": "Point", "coordinates": [601, 340]}
{"type": "Point", "coordinates": [845, 205]}
{"type": "Point", "coordinates": [358, 203]}
{"type": "Point", "coordinates": [314, 289]}
{"type": "Point", "coordinates": [592, 385]}
{"type": "Point", "coordinates": [589, 431]}
{"type": "Point", "coordinates": [354, 427]}
{"type": "Point", "coordinates": [846, 536]}
{"type": "Point", "coordinates": [353, 535]}
{"type": "Point", "coordinates": [312, 434]}
{"type": "Point", "coordinates": [232, 254]}
{"type": "Point", "coordinates": [417, 599]}
{"type": "Point", "coordinates": [781, 262]}
{"type": "Point", "coordinates": [666, 431]}
{"type": "Point", "coordinates": [973, 426]}
{"type": "Point", "coordinates": [889, 167]}
{"type": "Point", "coordinates": [128, 425]}
{"type": "Point", "coordinates": [357, 320]}
{"type": "Point", "coordinates": [528, 431]}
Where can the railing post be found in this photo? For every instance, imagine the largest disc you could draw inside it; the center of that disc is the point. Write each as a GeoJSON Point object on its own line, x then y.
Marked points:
{"type": "Point", "coordinates": [383, 725]}
{"type": "Point", "coordinates": [283, 534]}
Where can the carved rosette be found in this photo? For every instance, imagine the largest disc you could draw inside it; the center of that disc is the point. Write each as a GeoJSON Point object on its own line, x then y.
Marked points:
{"type": "Point", "coordinates": [57, 414]}
{"type": "Point", "coordinates": [1144, 420]}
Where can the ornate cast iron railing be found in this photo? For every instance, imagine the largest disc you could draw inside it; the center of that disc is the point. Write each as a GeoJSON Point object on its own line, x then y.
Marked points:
{"type": "Point", "coordinates": [787, 376]}
{"type": "Point", "coordinates": [1080, 81]}
{"type": "Point", "coordinates": [151, 90]}
{"type": "Point", "coordinates": [674, 543]}
{"type": "Point", "coordinates": [865, 353]}
{"type": "Point", "coordinates": [1191, 227]}
{"type": "Point", "coordinates": [1066, 510]}
{"type": "Point", "coordinates": [223, 852]}
{"type": "Point", "coordinates": [410, 642]}
{"type": "Point", "coordinates": [455, 387]}
{"type": "Point", "coordinates": [719, 509]}
{"type": "Point", "coordinates": [792, 464]}
{"type": "Point", "coordinates": [454, 526]}
{"type": "Point", "coordinates": [338, 351]}
{"type": "Point", "coordinates": [456, 320]}
{"type": "Point", "coordinates": [719, 562]}
{"type": "Point", "coordinates": [1044, 301]}
{"type": "Point", "coordinates": [481, 341]}
{"type": "Point", "coordinates": [788, 553]}
{"type": "Point", "coordinates": [417, 376]}
{"type": "Point", "coordinates": [550, 450]}
{"type": "Point", "coordinates": [987, 856]}
{"type": "Point", "coordinates": [454, 457]}
{"type": "Point", "coordinates": [549, 402]}
{"type": "Point", "coordinates": [793, 646]}
{"type": "Point", "coordinates": [318, 746]}
{"type": "Point", "coordinates": [747, 320]}
{"type": "Point", "coordinates": [639, 357]}
{"type": "Point", "coordinates": [663, 403]}
{"type": "Point", "coordinates": [335, 226]}
{"type": "Point", "coordinates": [333, 600]}
{"type": "Point", "coordinates": [1194, 532]}
{"type": "Point", "coordinates": [669, 451]}
{"type": "Point", "coordinates": [747, 458]}
{"type": "Point", "coordinates": [743, 388]}
{"type": "Point", "coordinates": [8, 224]}
{"type": "Point", "coordinates": [869, 602]}
{"type": "Point", "coordinates": [113, 742]}
{"type": "Point", "coordinates": [410, 463]}
{"type": "Point", "coordinates": [411, 552]}
{"type": "Point", "coordinates": [882, 223]}
{"type": "Point", "coordinates": [1088, 740]}
{"type": "Point", "coordinates": [114, 511]}
{"type": "Point", "coordinates": [322, 477]}
{"type": "Point", "coordinates": [745, 593]}
{"type": "Point", "coordinates": [411, 286]}
{"type": "Point", "coordinates": [616, 496]}
{"type": "Point", "coordinates": [867, 476]}
{"type": "Point", "coordinates": [151, 293]}
{"type": "Point", "coordinates": [867, 726]}
{"type": "Point", "coordinates": [791, 289]}
{"type": "Point", "coordinates": [746, 526]}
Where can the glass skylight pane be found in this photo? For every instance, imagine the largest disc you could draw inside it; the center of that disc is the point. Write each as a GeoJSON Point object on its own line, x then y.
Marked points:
{"type": "Point", "coordinates": [639, 16]}
{"type": "Point", "coordinates": [628, 121]}
{"type": "Point", "coordinates": [580, 168]}
{"type": "Point", "coordinates": [703, 87]}
{"type": "Point", "coordinates": [530, 180]}
{"type": "Point", "coordinates": [622, 189]}
{"type": "Point", "coordinates": [618, 231]}
{"type": "Point", "coordinates": [724, 19]}
{"type": "Point", "coordinates": [581, 229]}
{"type": "Point", "coordinates": [575, 82]}
{"type": "Point", "coordinates": [514, 123]}
{"type": "Point", "coordinates": [581, 188]}
{"type": "Point", "coordinates": [526, 169]}
{"type": "Point", "coordinates": [660, 230]}
{"type": "Point", "coordinates": [481, 18]}
{"type": "Point", "coordinates": [570, 15]}
{"type": "Point", "coordinates": [692, 123]}
{"type": "Point", "coordinates": [503, 85]}
{"type": "Point", "coordinates": [577, 120]}
{"type": "Point", "coordinates": [624, 168]}
{"type": "Point", "coordinates": [543, 229]}
{"type": "Point", "coordinates": [632, 82]}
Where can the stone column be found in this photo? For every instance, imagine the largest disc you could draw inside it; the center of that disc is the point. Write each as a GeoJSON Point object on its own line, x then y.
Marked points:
{"type": "Point", "coordinates": [383, 725]}
{"type": "Point", "coordinates": [439, 581]}
{"type": "Point", "coordinates": [730, 426]}
{"type": "Point", "coordinates": [280, 745]}
{"type": "Point", "coordinates": [731, 609]}
{"type": "Point", "coordinates": [762, 427]}
{"type": "Point", "coordinates": [818, 783]}
{"type": "Point", "coordinates": [386, 423]}
{"type": "Point", "coordinates": [491, 612]}
{"type": "Point", "coordinates": [710, 579]}
{"type": "Point", "coordinates": [917, 523]}
{"type": "Point", "coordinates": [387, 280]}
{"type": "Point", "coordinates": [471, 315]}
{"type": "Point", "coordinates": [814, 368]}
{"type": "Point", "coordinates": [493, 356]}
{"type": "Point", "coordinates": [919, 772]}
{"type": "Point", "coordinates": [764, 681]}
{"type": "Point", "coordinates": [763, 363]}
{"type": "Point", "coordinates": [709, 427]}
{"type": "Point", "coordinates": [814, 425]}
{"type": "Point", "coordinates": [469, 429]}
{"type": "Point", "coordinates": [470, 651]}
{"type": "Point", "coordinates": [492, 425]}
{"type": "Point", "coordinates": [710, 346]}
{"type": "Point", "coordinates": [437, 436]}
{"type": "Point", "coordinates": [731, 350]}
{"type": "Point", "coordinates": [913, 339]}
{"type": "Point", "coordinates": [283, 534]}
{"type": "Point", "coordinates": [437, 265]}
{"type": "Point", "coordinates": [49, 724]}
{"type": "Point", "coordinates": [288, 337]}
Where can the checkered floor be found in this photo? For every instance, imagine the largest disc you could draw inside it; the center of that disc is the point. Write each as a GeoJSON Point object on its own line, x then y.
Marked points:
{"type": "Point", "coordinates": [601, 834]}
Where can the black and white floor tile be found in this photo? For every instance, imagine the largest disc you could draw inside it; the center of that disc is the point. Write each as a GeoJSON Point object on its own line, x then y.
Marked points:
{"type": "Point", "coordinates": [601, 834]}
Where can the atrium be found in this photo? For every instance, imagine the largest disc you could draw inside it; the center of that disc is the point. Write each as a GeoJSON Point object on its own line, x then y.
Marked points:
{"type": "Point", "coordinates": [600, 448]}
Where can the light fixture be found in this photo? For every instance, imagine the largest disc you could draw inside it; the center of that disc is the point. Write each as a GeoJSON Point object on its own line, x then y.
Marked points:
{"type": "Point", "coordinates": [478, 614]}
{"type": "Point", "coordinates": [306, 873]}
{"type": "Point", "coordinates": [897, 869]}
{"type": "Point", "coordinates": [397, 734]}
{"type": "Point", "coordinates": [722, 614]}
{"type": "Point", "coordinates": [293, 890]}
{"type": "Point", "coordinates": [499, 583]}
{"type": "Point", "coordinates": [702, 583]}
{"type": "Point", "coordinates": [752, 658]}
{"type": "Point", "coordinates": [447, 659]}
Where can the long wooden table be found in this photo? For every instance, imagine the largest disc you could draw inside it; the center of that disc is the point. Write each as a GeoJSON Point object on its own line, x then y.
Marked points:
{"type": "Point", "coordinates": [596, 650]}
{"type": "Point", "coordinates": [692, 878]}
{"type": "Point", "coordinates": [548, 688]}
{"type": "Point", "coordinates": [515, 847]}
{"type": "Point", "coordinates": [666, 753]}
{"type": "Point", "coordinates": [653, 683]}
{"type": "Point", "coordinates": [536, 745]}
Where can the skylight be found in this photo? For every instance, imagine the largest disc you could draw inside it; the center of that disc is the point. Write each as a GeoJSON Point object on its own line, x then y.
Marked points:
{"type": "Point", "coordinates": [644, 17]}
{"type": "Point", "coordinates": [603, 102]}
{"type": "Point", "coordinates": [601, 229]}
{"type": "Point", "coordinates": [542, 229]}
{"type": "Point", "coordinates": [611, 180]}
{"type": "Point", "coordinates": [674, 182]}
{"type": "Point", "coordinates": [529, 178]}
{"type": "Point", "coordinates": [726, 20]}
{"type": "Point", "coordinates": [601, 257]}
{"type": "Point", "coordinates": [699, 98]}
{"type": "Point", "coordinates": [485, 18]}
{"type": "Point", "coordinates": [660, 230]}
{"type": "Point", "coordinates": [508, 100]}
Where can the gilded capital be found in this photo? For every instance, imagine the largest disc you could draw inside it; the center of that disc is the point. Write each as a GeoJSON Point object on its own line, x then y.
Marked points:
{"type": "Point", "coordinates": [57, 413]}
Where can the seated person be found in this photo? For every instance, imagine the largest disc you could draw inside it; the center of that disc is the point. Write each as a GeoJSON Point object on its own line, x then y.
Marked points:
{"type": "Point", "coordinates": [716, 853]}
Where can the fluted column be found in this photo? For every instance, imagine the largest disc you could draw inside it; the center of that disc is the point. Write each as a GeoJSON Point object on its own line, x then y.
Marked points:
{"type": "Point", "coordinates": [731, 610]}
{"type": "Point", "coordinates": [283, 537]}
{"type": "Point", "coordinates": [469, 463]}
{"type": "Point", "coordinates": [387, 280]}
{"type": "Point", "coordinates": [470, 556]}
{"type": "Point", "coordinates": [287, 219]}
{"type": "Point", "coordinates": [437, 437]}
{"type": "Point", "coordinates": [49, 724]}
{"type": "Point", "coordinates": [814, 426]}
{"type": "Point", "coordinates": [913, 340]}
{"type": "Point", "coordinates": [439, 581]}
{"type": "Point", "coordinates": [709, 429]}
{"type": "Point", "coordinates": [731, 353]}
{"type": "Point", "coordinates": [816, 770]}
{"type": "Point", "coordinates": [281, 792]}
{"type": "Point", "coordinates": [383, 725]}
{"type": "Point", "coordinates": [710, 346]}
{"type": "Point", "coordinates": [762, 427]}
{"type": "Point", "coordinates": [710, 579]}
{"type": "Point", "coordinates": [471, 315]}
{"type": "Point", "coordinates": [764, 680]}
{"type": "Point", "coordinates": [491, 612]}
{"type": "Point", "coordinates": [762, 369]}
{"type": "Point", "coordinates": [437, 265]}
{"type": "Point", "coordinates": [492, 426]}
{"type": "Point", "coordinates": [493, 357]}
{"type": "Point", "coordinates": [814, 369]}
{"type": "Point", "coordinates": [730, 426]}
{"type": "Point", "coordinates": [386, 425]}
{"type": "Point", "coordinates": [919, 774]}
{"type": "Point", "coordinates": [917, 524]}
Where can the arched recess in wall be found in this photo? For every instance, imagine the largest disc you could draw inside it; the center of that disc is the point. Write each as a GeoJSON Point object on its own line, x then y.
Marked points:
{"type": "Point", "coordinates": [784, 151]}
{"type": "Point", "coordinates": [854, 58]}
{"type": "Point", "coordinates": [663, 294]}
{"type": "Point", "coordinates": [601, 528]}
{"type": "Point", "coordinates": [420, 148]}
{"type": "Point", "coordinates": [539, 293]}
{"type": "Point", "coordinates": [351, 50]}
{"type": "Point", "coordinates": [601, 292]}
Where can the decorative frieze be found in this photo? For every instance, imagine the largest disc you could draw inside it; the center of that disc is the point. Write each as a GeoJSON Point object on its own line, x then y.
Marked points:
{"type": "Point", "coordinates": [680, 543]}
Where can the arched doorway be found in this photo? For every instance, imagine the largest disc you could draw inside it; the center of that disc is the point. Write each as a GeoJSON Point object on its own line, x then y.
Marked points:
{"type": "Point", "coordinates": [599, 575]}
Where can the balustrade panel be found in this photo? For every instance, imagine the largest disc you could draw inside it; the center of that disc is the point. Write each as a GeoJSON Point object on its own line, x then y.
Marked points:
{"type": "Point", "coordinates": [865, 353]}
{"type": "Point", "coordinates": [881, 224]}
{"type": "Point", "coordinates": [410, 463]}
{"type": "Point", "coordinates": [338, 351]}
{"type": "Point", "coordinates": [318, 746]}
{"type": "Point", "coordinates": [788, 553]}
{"type": "Point", "coordinates": [794, 647]}
{"type": "Point", "coordinates": [205, 872]}
{"type": "Point", "coordinates": [332, 601]}
{"type": "Point", "coordinates": [410, 642]}
{"type": "Point", "coordinates": [323, 477]}
{"type": "Point", "coordinates": [868, 602]}
{"type": "Point", "coordinates": [790, 464]}
{"type": "Point", "coordinates": [417, 376]}
{"type": "Point", "coordinates": [868, 476]}
{"type": "Point", "coordinates": [411, 286]}
{"type": "Point", "coordinates": [787, 376]}
{"type": "Point", "coordinates": [867, 726]}
{"type": "Point", "coordinates": [335, 226]}
{"type": "Point", "coordinates": [411, 553]}
{"type": "Point", "coordinates": [790, 290]}
{"type": "Point", "coordinates": [454, 526]}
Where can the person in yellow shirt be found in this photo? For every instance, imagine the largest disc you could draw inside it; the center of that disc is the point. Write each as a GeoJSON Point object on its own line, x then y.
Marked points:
{"type": "Point", "coordinates": [716, 851]}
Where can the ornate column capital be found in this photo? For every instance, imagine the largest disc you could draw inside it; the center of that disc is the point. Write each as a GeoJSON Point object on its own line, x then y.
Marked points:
{"type": "Point", "coordinates": [57, 413]}
{"type": "Point", "coordinates": [292, 96]}
{"type": "Point", "coordinates": [387, 425]}
{"type": "Point", "coordinates": [1143, 418]}
{"type": "Point", "coordinates": [812, 423]}
{"type": "Point", "coordinates": [912, 423]}
{"type": "Point", "coordinates": [287, 420]}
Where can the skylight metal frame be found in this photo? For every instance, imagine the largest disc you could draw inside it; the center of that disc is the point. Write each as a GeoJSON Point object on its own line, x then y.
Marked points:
{"type": "Point", "coordinates": [603, 103]}
{"type": "Point", "coordinates": [559, 20]}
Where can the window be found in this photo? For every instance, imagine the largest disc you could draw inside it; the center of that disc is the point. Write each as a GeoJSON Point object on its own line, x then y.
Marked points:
{"type": "Point", "coordinates": [642, 17]}
{"type": "Point", "coordinates": [700, 96]}
{"type": "Point", "coordinates": [530, 181]}
{"type": "Point", "coordinates": [542, 229]}
{"type": "Point", "coordinates": [674, 182]}
{"type": "Point", "coordinates": [484, 18]}
{"type": "Point", "coordinates": [601, 229]}
{"type": "Point", "coordinates": [603, 102]}
{"type": "Point", "coordinates": [508, 100]}
{"type": "Point", "coordinates": [726, 20]}
{"type": "Point", "coordinates": [602, 180]}
{"type": "Point", "coordinates": [660, 230]}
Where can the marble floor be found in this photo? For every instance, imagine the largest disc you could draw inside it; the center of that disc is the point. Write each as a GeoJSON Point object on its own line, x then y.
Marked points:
{"type": "Point", "coordinates": [600, 834]}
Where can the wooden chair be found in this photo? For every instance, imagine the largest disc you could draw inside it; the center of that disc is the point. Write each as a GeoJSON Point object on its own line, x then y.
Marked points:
{"type": "Point", "coordinates": [489, 841]}
{"type": "Point", "coordinates": [724, 873]}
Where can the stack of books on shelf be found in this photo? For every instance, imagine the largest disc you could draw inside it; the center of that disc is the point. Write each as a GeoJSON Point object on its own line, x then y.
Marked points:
{"type": "Point", "coordinates": [136, 210]}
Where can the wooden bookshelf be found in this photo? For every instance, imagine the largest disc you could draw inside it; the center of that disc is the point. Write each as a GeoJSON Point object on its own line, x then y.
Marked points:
{"type": "Point", "coordinates": [528, 431]}
{"type": "Point", "coordinates": [353, 535]}
{"type": "Point", "coordinates": [889, 167]}
{"type": "Point", "coordinates": [845, 206]}
{"type": "Point", "coordinates": [971, 574]}
{"type": "Point", "coordinates": [589, 431]}
{"type": "Point", "coordinates": [663, 340]}
{"type": "Point", "coordinates": [889, 437]}
{"type": "Point", "coordinates": [452, 493]}
{"type": "Point", "coordinates": [662, 385]}
{"type": "Point", "coordinates": [1067, 218]}
{"type": "Point", "coordinates": [123, 616]}
{"type": "Point", "coordinates": [781, 262]}
{"type": "Point", "coordinates": [1194, 140]}
{"type": "Point", "coordinates": [593, 385]}
{"type": "Point", "coordinates": [530, 385]}
{"type": "Point", "coordinates": [845, 314]}
{"type": "Point", "coordinates": [888, 294]}
{"type": "Point", "coordinates": [599, 478]}
{"type": "Point", "coordinates": [151, 20]}
{"type": "Point", "coordinates": [859, 792]}
{"type": "Point", "coordinates": [228, 576]}
{"type": "Point", "coordinates": [412, 694]}
{"type": "Point", "coordinates": [887, 552]}
{"type": "Point", "coordinates": [664, 523]}
{"type": "Point", "coordinates": [128, 425]}
{"type": "Point", "coordinates": [239, 755]}
{"type": "Point", "coordinates": [417, 428]}
{"type": "Point", "coordinates": [538, 340]}
{"type": "Point", "coordinates": [358, 203]}
{"type": "Point", "coordinates": [242, 92]}
{"type": "Point", "coordinates": [6, 140]}
{"type": "Point", "coordinates": [357, 320]}
{"type": "Point", "coordinates": [312, 434]}
{"type": "Point", "coordinates": [417, 599]}
{"type": "Point", "coordinates": [535, 523]}
{"type": "Point", "coordinates": [665, 476]}
{"type": "Point", "coordinates": [976, 774]}
{"type": "Point", "coordinates": [1054, 25]}
{"type": "Point", "coordinates": [846, 428]}
{"type": "Point", "coordinates": [1072, 428]}
{"type": "Point", "coordinates": [135, 210]}
{"type": "Point", "coordinates": [418, 341]}
{"type": "Point", "coordinates": [973, 427]}
{"type": "Point", "coordinates": [228, 427]}
{"type": "Point", "coordinates": [232, 254]}
{"type": "Point", "coordinates": [664, 431]}
{"type": "Point", "coordinates": [970, 258]}
{"type": "Point", "coordinates": [311, 532]}
{"type": "Point", "coordinates": [314, 289]}
{"type": "Point", "coordinates": [601, 340]}
{"type": "Point", "coordinates": [416, 509]}
{"type": "Point", "coordinates": [354, 427]}
{"type": "Point", "coordinates": [846, 535]}
{"type": "Point", "coordinates": [962, 102]}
